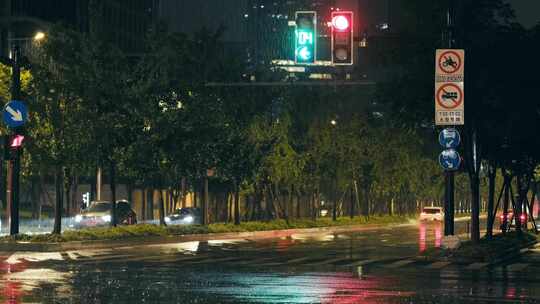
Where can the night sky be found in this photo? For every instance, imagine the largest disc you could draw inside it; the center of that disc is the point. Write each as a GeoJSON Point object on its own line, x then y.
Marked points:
{"type": "Point", "coordinates": [527, 11]}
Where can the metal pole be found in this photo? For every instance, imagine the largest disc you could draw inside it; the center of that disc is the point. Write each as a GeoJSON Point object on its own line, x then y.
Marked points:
{"type": "Point", "coordinates": [15, 163]}
{"type": "Point", "coordinates": [449, 175]}
{"type": "Point", "coordinates": [14, 227]}
{"type": "Point", "coordinates": [9, 197]}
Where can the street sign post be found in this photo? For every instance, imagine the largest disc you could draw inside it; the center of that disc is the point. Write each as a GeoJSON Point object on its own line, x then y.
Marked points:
{"type": "Point", "coordinates": [15, 114]}
{"type": "Point", "coordinates": [449, 138]}
{"type": "Point", "coordinates": [450, 160]}
{"type": "Point", "coordinates": [449, 87]}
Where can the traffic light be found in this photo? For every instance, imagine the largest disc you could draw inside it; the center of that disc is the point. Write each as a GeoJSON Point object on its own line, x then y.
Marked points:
{"type": "Point", "coordinates": [12, 143]}
{"type": "Point", "coordinates": [305, 45]}
{"type": "Point", "coordinates": [342, 38]}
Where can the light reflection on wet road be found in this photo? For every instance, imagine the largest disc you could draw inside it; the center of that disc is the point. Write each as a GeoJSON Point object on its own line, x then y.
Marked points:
{"type": "Point", "coordinates": [364, 267]}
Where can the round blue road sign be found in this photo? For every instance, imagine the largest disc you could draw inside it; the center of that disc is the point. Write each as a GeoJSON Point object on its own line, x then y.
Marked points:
{"type": "Point", "coordinates": [450, 160]}
{"type": "Point", "coordinates": [449, 138]}
{"type": "Point", "coordinates": [15, 114]}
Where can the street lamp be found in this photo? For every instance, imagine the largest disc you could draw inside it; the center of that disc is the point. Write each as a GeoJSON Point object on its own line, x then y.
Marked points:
{"type": "Point", "coordinates": [39, 36]}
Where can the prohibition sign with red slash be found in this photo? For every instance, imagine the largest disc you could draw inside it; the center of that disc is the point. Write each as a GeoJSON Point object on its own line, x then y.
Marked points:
{"type": "Point", "coordinates": [449, 96]}
{"type": "Point", "coordinates": [450, 62]}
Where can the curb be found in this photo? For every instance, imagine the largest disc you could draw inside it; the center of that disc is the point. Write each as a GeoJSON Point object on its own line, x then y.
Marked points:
{"type": "Point", "coordinates": [508, 254]}
{"type": "Point", "coordinates": [155, 240]}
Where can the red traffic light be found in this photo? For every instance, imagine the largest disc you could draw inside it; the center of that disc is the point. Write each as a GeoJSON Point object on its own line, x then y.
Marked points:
{"type": "Point", "coordinates": [340, 22]}
{"type": "Point", "coordinates": [16, 141]}
{"type": "Point", "coordinates": [342, 38]}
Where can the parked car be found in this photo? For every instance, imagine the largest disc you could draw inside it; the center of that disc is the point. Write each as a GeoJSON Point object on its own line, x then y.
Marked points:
{"type": "Point", "coordinates": [99, 214]}
{"type": "Point", "coordinates": [432, 214]}
{"type": "Point", "coordinates": [185, 216]}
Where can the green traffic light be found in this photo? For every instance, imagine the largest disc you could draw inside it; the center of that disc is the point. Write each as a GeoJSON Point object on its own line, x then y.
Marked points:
{"type": "Point", "coordinates": [305, 37]}
{"type": "Point", "coordinates": [303, 54]}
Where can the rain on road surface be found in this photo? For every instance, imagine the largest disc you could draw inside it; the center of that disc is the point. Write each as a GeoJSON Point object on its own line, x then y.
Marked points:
{"type": "Point", "coordinates": [363, 267]}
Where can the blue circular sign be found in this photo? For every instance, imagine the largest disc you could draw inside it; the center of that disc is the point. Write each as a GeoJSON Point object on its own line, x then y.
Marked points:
{"type": "Point", "coordinates": [450, 160]}
{"type": "Point", "coordinates": [449, 138]}
{"type": "Point", "coordinates": [15, 114]}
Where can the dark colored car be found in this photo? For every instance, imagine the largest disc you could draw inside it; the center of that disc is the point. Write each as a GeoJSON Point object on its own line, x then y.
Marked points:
{"type": "Point", "coordinates": [99, 214]}
{"type": "Point", "coordinates": [186, 216]}
{"type": "Point", "coordinates": [511, 220]}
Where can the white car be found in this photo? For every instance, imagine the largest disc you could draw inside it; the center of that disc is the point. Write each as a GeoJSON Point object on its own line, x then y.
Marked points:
{"type": "Point", "coordinates": [432, 214]}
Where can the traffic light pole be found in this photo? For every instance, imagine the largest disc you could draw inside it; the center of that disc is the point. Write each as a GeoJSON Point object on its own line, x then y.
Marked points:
{"type": "Point", "coordinates": [14, 164]}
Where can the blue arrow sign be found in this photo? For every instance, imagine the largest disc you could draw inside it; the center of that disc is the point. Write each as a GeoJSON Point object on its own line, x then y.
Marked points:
{"type": "Point", "coordinates": [449, 138]}
{"type": "Point", "coordinates": [15, 114]}
{"type": "Point", "coordinates": [450, 160]}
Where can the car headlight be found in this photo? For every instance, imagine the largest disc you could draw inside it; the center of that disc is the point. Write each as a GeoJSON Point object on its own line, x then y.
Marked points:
{"type": "Point", "coordinates": [106, 218]}
{"type": "Point", "coordinates": [167, 219]}
{"type": "Point", "coordinates": [188, 219]}
{"type": "Point", "coordinates": [78, 218]}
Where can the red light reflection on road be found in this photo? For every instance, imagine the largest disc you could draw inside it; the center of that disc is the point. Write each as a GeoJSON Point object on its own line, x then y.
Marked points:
{"type": "Point", "coordinates": [11, 291]}
{"type": "Point", "coordinates": [352, 290]}
{"type": "Point", "coordinates": [438, 234]}
{"type": "Point", "coordinates": [425, 230]}
{"type": "Point", "coordinates": [422, 237]}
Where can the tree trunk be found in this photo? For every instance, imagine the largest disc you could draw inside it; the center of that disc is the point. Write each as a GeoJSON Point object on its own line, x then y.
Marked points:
{"type": "Point", "coordinates": [34, 192]}
{"type": "Point", "coordinates": [150, 203]}
{"type": "Point", "coordinates": [59, 190]}
{"type": "Point", "coordinates": [298, 205]}
{"type": "Point", "coordinates": [216, 209]}
{"type": "Point", "coordinates": [67, 187]}
{"type": "Point", "coordinates": [161, 208]}
{"type": "Point", "coordinates": [112, 172]}
{"type": "Point", "coordinates": [523, 188]}
{"type": "Point", "coordinates": [129, 189]}
{"type": "Point", "coordinates": [74, 202]}
{"type": "Point", "coordinates": [351, 203]}
{"type": "Point", "coordinates": [492, 175]}
{"type": "Point", "coordinates": [230, 202]}
{"type": "Point", "coordinates": [205, 201]}
{"type": "Point", "coordinates": [183, 189]}
{"type": "Point", "coordinates": [365, 209]}
{"type": "Point", "coordinates": [143, 204]}
{"type": "Point", "coordinates": [475, 208]}
{"type": "Point", "coordinates": [237, 204]}
{"type": "Point", "coordinates": [317, 203]}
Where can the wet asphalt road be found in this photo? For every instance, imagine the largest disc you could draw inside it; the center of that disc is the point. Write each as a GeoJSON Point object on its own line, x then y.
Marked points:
{"type": "Point", "coordinates": [363, 267]}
